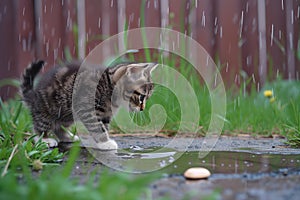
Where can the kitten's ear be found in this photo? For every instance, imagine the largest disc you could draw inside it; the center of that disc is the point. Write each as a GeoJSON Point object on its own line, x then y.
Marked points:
{"type": "Point", "coordinates": [150, 67]}
{"type": "Point", "coordinates": [119, 73]}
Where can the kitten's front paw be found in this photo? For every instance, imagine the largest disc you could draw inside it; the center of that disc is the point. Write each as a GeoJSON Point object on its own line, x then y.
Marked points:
{"type": "Point", "coordinates": [109, 145]}
{"type": "Point", "coordinates": [51, 142]}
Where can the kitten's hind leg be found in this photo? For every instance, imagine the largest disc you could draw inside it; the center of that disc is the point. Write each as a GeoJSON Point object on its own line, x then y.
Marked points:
{"type": "Point", "coordinates": [42, 127]}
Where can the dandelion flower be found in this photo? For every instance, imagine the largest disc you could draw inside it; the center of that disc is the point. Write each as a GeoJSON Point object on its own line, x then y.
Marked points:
{"type": "Point", "coordinates": [268, 93]}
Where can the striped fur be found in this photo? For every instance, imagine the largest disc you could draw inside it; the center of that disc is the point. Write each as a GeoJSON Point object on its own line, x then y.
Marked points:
{"type": "Point", "coordinates": [97, 93]}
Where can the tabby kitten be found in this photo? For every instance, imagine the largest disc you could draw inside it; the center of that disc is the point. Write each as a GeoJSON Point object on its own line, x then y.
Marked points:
{"type": "Point", "coordinates": [96, 95]}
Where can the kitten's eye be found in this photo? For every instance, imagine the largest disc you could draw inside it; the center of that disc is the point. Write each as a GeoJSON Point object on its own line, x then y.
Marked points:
{"type": "Point", "coordinates": [142, 97]}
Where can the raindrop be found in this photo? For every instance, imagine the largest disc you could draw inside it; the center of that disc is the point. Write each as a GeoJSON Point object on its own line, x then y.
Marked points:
{"type": "Point", "coordinates": [272, 34]}
{"type": "Point", "coordinates": [148, 4]}
{"type": "Point", "coordinates": [62, 2]}
{"type": "Point", "coordinates": [216, 30]}
{"type": "Point", "coordinates": [187, 5]}
{"type": "Point", "coordinates": [292, 17]}
{"type": "Point", "coordinates": [45, 9]}
{"type": "Point", "coordinates": [51, 8]}
{"type": "Point", "coordinates": [207, 60]}
{"type": "Point", "coordinates": [277, 73]}
{"type": "Point", "coordinates": [291, 40]}
{"type": "Point", "coordinates": [23, 12]}
{"type": "Point", "coordinates": [280, 34]}
{"type": "Point", "coordinates": [19, 37]}
{"type": "Point", "coordinates": [282, 5]}
{"type": "Point", "coordinates": [253, 78]}
{"type": "Point", "coordinates": [203, 19]}
{"type": "Point", "coordinates": [216, 78]}
{"type": "Point", "coordinates": [247, 7]}
{"type": "Point", "coordinates": [216, 21]}
{"type": "Point", "coordinates": [248, 60]}
{"type": "Point", "coordinates": [99, 22]}
{"type": "Point", "coordinates": [298, 12]}
{"type": "Point", "coordinates": [227, 66]}
{"type": "Point", "coordinates": [55, 53]}
{"type": "Point", "coordinates": [155, 4]}
{"type": "Point", "coordinates": [69, 19]}
{"type": "Point", "coordinates": [203, 161]}
{"type": "Point", "coordinates": [196, 3]}
{"type": "Point", "coordinates": [111, 3]}
{"type": "Point", "coordinates": [221, 31]}
{"type": "Point", "coordinates": [241, 23]}
{"type": "Point", "coordinates": [24, 45]}
{"type": "Point", "coordinates": [59, 42]}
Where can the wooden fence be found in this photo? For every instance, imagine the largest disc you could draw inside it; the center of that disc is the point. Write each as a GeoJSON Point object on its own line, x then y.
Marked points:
{"type": "Point", "coordinates": [259, 37]}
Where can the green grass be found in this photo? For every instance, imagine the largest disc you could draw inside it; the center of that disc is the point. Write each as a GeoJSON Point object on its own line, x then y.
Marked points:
{"type": "Point", "coordinates": [57, 183]}
{"type": "Point", "coordinates": [16, 141]}
{"type": "Point", "coordinates": [247, 112]}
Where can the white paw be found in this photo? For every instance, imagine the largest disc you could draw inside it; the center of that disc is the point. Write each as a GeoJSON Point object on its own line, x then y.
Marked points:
{"type": "Point", "coordinates": [51, 142]}
{"type": "Point", "coordinates": [73, 137]}
{"type": "Point", "coordinates": [109, 145]}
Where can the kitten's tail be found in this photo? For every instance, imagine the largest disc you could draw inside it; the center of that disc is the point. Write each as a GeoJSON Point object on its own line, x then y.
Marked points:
{"type": "Point", "coordinates": [28, 78]}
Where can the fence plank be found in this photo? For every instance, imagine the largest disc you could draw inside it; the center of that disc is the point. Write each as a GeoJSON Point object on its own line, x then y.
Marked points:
{"type": "Point", "coordinates": [202, 21]}
{"type": "Point", "coordinates": [250, 43]}
{"type": "Point", "coordinates": [228, 38]}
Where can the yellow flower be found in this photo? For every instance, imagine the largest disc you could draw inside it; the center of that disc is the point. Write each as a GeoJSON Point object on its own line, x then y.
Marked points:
{"type": "Point", "coordinates": [268, 93]}
{"type": "Point", "coordinates": [272, 99]}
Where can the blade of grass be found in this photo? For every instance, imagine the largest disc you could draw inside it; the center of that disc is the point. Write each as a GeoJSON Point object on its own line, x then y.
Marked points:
{"type": "Point", "coordinates": [9, 160]}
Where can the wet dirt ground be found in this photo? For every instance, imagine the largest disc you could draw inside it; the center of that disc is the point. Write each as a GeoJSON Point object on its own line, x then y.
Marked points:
{"type": "Point", "coordinates": [241, 167]}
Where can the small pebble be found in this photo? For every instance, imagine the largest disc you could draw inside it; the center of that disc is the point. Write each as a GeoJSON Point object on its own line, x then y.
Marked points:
{"type": "Point", "coordinates": [196, 173]}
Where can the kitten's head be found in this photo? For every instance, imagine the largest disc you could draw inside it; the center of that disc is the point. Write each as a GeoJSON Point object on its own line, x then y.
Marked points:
{"type": "Point", "coordinates": [133, 85]}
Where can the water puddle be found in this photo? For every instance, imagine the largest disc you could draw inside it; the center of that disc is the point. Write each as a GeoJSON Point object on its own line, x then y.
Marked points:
{"type": "Point", "coordinates": [138, 160]}
{"type": "Point", "coordinates": [216, 161]}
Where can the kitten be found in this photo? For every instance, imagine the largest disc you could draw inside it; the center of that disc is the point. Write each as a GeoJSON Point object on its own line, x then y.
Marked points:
{"type": "Point", "coordinates": [97, 94]}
